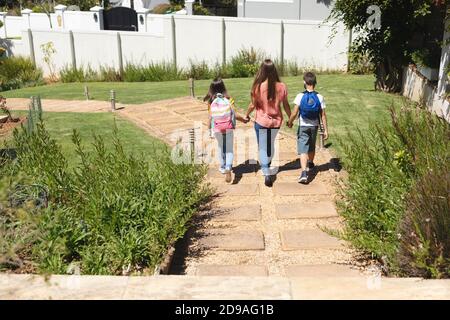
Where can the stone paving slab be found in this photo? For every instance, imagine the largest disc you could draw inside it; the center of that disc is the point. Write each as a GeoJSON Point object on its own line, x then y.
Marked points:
{"type": "Point", "coordinates": [240, 189]}
{"type": "Point", "coordinates": [233, 240]}
{"type": "Point", "coordinates": [232, 270]}
{"type": "Point", "coordinates": [295, 188]}
{"type": "Point", "coordinates": [321, 270]}
{"type": "Point", "coordinates": [308, 239]}
{"type": "Point", "coordinates": [244, 213]}
{"type": "Point", "coordinates": [323, 209]}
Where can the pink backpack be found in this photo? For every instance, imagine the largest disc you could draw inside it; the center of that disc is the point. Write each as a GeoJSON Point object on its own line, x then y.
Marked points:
{"type": "Point", "coordinates": [222, 114]}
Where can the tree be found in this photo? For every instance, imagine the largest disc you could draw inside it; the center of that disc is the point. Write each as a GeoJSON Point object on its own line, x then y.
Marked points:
{"type": "Point", "coordinates": [390, 31]}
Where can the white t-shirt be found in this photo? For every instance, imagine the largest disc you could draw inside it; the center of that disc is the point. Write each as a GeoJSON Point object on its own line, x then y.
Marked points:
{"type": "Point", "coordinates": [308, 122]}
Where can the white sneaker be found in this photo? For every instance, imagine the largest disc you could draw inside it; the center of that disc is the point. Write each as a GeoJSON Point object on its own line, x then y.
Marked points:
{"type": "Point", "coordinates": [222, 170]}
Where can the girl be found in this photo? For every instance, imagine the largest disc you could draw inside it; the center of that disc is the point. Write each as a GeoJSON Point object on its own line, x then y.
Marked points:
{"type": "Point", "coordinates": [267, 95]}
{"type": "Point", "coordinates": [222, 121]}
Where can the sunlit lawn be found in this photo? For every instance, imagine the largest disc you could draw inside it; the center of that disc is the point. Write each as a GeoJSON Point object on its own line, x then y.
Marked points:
{"type": "Point", "coordinates": [351, 100]}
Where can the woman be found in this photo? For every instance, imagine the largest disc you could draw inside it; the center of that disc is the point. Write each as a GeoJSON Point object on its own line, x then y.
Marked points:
{"type": "Point", "coordinates": [267, 95]}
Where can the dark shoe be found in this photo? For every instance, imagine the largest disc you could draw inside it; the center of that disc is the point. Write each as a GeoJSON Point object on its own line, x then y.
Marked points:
{"type": "Point", "coordinates": [303, 178]}
{"type": "Point", "coordinates": [268, 181]}
{"type": "Point", "coordinates": [310, 165]}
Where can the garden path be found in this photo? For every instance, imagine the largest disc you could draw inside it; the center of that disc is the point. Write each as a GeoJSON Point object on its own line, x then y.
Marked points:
{"type": "Point", "coordinates": [249, 229]}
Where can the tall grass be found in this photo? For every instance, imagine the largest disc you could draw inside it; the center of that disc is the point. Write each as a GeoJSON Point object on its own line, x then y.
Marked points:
{"type": "Point", "coordinates": [244, 64]}
{"type": "Point", "coordinates": [387, 166]}
{"type": "Point", "coordinates": [115, 213]}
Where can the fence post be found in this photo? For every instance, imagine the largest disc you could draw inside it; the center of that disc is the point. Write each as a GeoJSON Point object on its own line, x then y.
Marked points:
{"type": "Point", "coordinates": [72, 50]}
{"type": "Point", "coordinates": [30, 43]}
{"type": "Point", "coordinates": [113, 100]}
{"type": "Point", "coordinates": [119, 54]}
{"type": "Point", "coordinates": [174, 42]}
{"type": "Point", "coordinates": [86, 92]}
{"type": "Point", "coordinates": [59, 11]}
{"type": "Point", "coordinates": [191, 87]}
{"type": "Point", "coordinates": [192, 143]}
{"type": "Point", "coordinates": [282, 45]}
{"type": "Point", "coordinates": [3, 20]}
{"type": "Point", "coordinates": [26, 18]}
{"type": "Point", "coordinates": [349, 47]}
{"type": "Point", "coordinates": [224, 43]}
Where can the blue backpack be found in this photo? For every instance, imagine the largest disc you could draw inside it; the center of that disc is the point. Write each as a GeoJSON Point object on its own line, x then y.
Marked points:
{"type": "Point", "coordinates": [310, 105]}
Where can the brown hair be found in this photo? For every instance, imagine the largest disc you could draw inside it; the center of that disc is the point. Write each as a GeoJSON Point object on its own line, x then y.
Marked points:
{"type": "Point", "coordinates": [216, 86]}
{"type": "Point", "coordinates": [267, 71]}
{"type": "Point", "coordinates": [310, 79]}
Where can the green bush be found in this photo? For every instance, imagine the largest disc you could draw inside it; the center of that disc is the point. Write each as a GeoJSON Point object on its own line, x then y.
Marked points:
{"type": "Point", "coordinates": [246, 63]}
{"type": "Point", "coordinates": [200, 71]}
{"type": "Point", "coordinates": [360, 63]}
{"type": "Point", "coordinates": [81, 74]}
{"type": "Point", "coordinates": [424, 249]}
{"type": "Point", "coordinates": [18, 72]}
{"type": "Point", "coordinates": [383, 165]}
{"type": "Point", "coordinates": [114, 213]}
{"type": "Point", "coordinates": [164, 71]}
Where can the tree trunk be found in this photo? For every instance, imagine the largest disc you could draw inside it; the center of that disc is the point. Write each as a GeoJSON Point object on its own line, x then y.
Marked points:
{"type": "Point", "coordinates": [388, 76]}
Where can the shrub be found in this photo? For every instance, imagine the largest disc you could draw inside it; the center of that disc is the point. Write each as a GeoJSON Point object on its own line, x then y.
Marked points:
{"type": "Point", "coordinates": [246, 63]}
{"type": "Point", "coordinates": [360, 63]}
{"type": "Point", "coordinates": [424, 249]}
{"type": "Point", "coordinates": [17, 72]}
{"type": "Point", "coordinates": [383, 165]}
{"type": "Point", "coordinates": [200, 71]}
{"type": "Point", "coordinates": [114, 213]}
{"type": "Point", "coordinates": [164, 71]}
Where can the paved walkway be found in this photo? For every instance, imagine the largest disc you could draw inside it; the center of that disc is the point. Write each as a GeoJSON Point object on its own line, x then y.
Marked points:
{"type": "Point", "coordinates": [249, 230]}
{"type": "Point", "coordinates": [271, 236]}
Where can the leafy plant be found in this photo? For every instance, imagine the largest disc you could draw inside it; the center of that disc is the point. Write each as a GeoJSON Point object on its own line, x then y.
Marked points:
{"type": "Point", "coordinates": [424, 249]}
{"type": "Point", "coordinates": [246, 63]}
{"type": "Point", "coordinates": [17, 72]}
{"type": "Point", "coordinates": [114, 213]}
{"type": "Point", "coordinates": [384, 165]}
{"type": "Point", "coordinates": [48, 50]}
{"type": "Point", "coordinates": [391, 32]}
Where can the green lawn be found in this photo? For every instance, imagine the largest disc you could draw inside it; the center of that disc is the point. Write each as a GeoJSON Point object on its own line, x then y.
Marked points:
{"type": "Point", "coordinates": [61, 126]}
{"type": "Point", "coordinates": [351, 100]}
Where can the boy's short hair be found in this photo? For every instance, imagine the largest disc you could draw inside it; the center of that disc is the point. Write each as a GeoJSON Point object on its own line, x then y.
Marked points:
{"type": "Point", "coordinates": [310, 78]}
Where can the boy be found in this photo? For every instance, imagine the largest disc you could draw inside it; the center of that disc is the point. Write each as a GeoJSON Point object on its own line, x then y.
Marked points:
{"type": "Point", "coordinates": [309, 106]}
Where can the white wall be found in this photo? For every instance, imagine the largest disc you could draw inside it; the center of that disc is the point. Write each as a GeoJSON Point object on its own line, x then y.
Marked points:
{"type": "Point", "coordinates": [80, 20]}
{"type": "Point", "coordinates": [13, 25]}
{"type": "Point", "coordinates": [261, 34]}
{"type": "Point", "coordinates": [197, 39]}
{"type": "Point", "coordinates": [285, 9]}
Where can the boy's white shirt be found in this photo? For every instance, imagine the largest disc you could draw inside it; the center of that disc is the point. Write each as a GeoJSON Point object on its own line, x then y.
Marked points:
{"type": "Point", "coordinates": [308, 122]}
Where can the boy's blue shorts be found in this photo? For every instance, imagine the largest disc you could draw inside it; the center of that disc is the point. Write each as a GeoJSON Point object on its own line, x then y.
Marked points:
{"type": "Point", "coordinates": [306, 139]}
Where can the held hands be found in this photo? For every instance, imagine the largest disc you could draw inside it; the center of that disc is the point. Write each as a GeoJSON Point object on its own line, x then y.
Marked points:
{"type": "Point", "coordinates": [246, 119]}
{"type": "Point", "coordinates": [289, 123]}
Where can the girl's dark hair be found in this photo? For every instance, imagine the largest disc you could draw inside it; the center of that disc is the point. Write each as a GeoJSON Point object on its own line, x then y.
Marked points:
{"type": "Point", "coordinates": [217, 86]}
{"type": "Point", "coordinates": [267, 71]}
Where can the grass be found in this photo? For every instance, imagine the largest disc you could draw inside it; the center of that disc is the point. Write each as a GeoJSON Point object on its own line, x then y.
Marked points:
{"type": "Point", "coordinates": [60, 125]}
{"type": "Point", "coordinates": [351, 99]}
{"type": "Point", "coordinates": [115, 212]}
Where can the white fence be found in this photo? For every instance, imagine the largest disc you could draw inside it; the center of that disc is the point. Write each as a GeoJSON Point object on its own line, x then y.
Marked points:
{"type": "Point", "coordinates": [189, 38]}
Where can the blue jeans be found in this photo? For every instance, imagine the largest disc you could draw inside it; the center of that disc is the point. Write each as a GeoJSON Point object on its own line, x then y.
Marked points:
{"type": "Point", "coordinates": [225, 149]}
{"type": "Point", "coordinates": [266, 142]}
